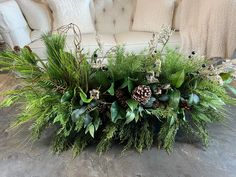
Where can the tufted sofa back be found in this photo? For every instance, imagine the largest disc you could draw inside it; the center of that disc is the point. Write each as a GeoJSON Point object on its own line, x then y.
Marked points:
{"type": "Point", "coordinates": [109, 16]}
{"type": "Point", "coordinates": [112, 16]}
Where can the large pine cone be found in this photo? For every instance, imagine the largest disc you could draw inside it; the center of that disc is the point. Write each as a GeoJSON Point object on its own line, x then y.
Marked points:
{"type": "Point", "coordinates": [142, 94]}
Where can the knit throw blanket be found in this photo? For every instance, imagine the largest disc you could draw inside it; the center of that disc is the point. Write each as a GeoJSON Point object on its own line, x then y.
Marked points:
{"type": "Point", "coordinates": [208, 27]}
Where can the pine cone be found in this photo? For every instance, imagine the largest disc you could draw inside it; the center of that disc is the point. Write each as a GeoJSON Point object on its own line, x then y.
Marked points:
{"type": "Point", "coordinates": [185, 105]}
{"type": "Point", "coordinates": [142, 94]}
{"type": "Point", "coordinates": [121, 97]}
{"type": "Point", "coordinates": [157, 91]}
{"type": "Point", "coordinates": [156, 104]}
{"type": "Point", "coordinates": [16, 49]}
{"type": "Point", "coordinates": [102, 108]}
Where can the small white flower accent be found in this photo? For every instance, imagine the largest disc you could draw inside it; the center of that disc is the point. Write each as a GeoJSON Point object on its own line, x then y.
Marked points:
{"type": "Point", "coordinates": [151, 77]}
{"type": "Point", "coordinates": [95, 94]}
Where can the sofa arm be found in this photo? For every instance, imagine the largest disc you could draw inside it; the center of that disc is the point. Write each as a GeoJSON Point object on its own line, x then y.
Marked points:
{"type": "Point", "coordinates": [13, 27]}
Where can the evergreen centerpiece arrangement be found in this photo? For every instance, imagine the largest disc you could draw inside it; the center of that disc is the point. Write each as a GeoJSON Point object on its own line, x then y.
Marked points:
{"type": "Point", "coordinates": [135, 99]}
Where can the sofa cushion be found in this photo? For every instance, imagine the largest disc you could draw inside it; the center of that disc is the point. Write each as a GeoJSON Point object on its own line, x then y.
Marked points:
{"type": "Point", "coordinates": [113, 16]}
{"type": "Point", "coordinates": [138, 41]}
{"type": "Point", "coordinates": [72, 11]}
{"type": "Point", "coordinates": [152, 15]}
{"type": "Point", "coordinates": [13, 26]}
{"type": "Point", "coordinates": [37, 15]}
{"type": "Point", "coordinates": [35, 35]}
{"type": "Point", "coordinates": [89, 44]}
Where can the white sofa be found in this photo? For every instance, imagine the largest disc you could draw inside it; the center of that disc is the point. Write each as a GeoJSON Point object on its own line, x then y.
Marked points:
{"type": "Point", "coordinates": [112, 20]}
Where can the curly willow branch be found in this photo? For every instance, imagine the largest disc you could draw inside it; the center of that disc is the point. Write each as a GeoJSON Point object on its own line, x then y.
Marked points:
{"type": "Point", "coordinates": [77, 35]}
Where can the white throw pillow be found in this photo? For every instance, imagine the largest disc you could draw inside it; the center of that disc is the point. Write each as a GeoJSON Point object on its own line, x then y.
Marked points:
{"type": "Point", "coordinates": [72, 11]}
{"type": "Point", "coordinates": [151, 15]}
{"type": "Point", "coordinates": [13, 26]}
{"type": "Point", "coordinates": [37, 15]}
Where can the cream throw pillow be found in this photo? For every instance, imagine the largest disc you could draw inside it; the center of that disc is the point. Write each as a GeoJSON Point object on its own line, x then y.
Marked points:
{"type": "Point", "coordinates": [13, 27]}
{"type": "Point", "coordinates": [72, 11]}
{"type": "Point", "coordinates": [37, 15]}
{"type": "Point", "coordinates": [151, 15]}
